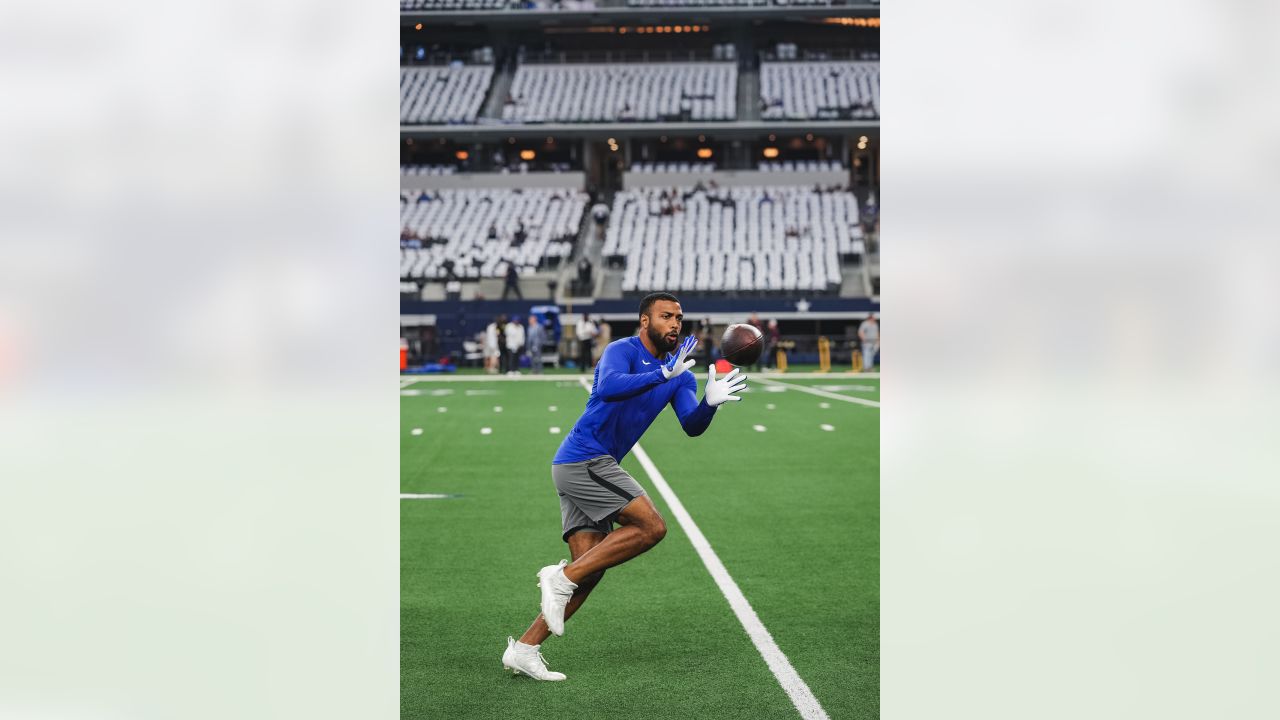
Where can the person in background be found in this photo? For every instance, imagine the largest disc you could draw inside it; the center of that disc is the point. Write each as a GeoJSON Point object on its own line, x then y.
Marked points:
{"type": "Point", "coordinates": [515, 344]}
{"type": "Point", "coordinates": [600, 213]}
{"type": "Point", "coordinates": [535, 338]}
{"type": "Point", "coordinates": [586, 332]}
{"type": "Point", "coordinates": [756, 323]}
{"type": "Point", "coordinates": [869, 337]}
{"type": "Point", "coordinates": [512, 282]}
{"type": "Point", "coordinates": [604, 335]}
{"type": "Point", "coordinates": [584, 277]}
{"type": "Point", "coordinates": [492, 345]}
{"type": "Point", "coordinates": [706, 342]}
{"type": "Point", "coordinates": [772, 337]}
{"type": "Point", "coordinates": [504, 355]}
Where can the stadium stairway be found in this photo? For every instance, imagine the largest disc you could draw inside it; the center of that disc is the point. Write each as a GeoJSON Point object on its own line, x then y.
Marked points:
{"type": "Point", "coordinates": [855, 281]}
{"type": "Point", "coordinates": [610, 287]}
{"type": "Point", "coordinates": [749, 94]}
{"type": "Point", "coordinates": [492, 107]}
{"type": "Point", "coordinates": [587, 245]}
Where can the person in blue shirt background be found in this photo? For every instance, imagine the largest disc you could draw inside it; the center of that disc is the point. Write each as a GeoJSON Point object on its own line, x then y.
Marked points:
{"type": "Point", "coordinates": [635, 379]}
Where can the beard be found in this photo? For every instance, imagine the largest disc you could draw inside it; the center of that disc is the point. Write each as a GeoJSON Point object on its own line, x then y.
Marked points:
{"type": "Point", "coordinates": [659, 340]}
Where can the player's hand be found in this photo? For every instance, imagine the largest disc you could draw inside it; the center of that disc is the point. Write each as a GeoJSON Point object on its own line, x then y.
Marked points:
{"type": "Point", "coordinates": [722, 391]}
{"type": "Point", "coordinates": [677, 364]}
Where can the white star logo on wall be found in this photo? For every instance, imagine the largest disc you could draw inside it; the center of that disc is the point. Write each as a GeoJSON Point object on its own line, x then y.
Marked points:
{"type": "Point", "coordinates": [802, 306]}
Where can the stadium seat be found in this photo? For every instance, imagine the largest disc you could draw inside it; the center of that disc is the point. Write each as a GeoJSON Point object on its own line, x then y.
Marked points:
{"type": "Point", "coordinates": [428, 169]}
{"type": "Point", "coordinates": [819, 89]}
{"type": "Point", "coordinates": [454, 225]}
{"type": "Point", "coordinates": [672, 167]}
{"type": "Point", "coordinates": [627, 92]}
{"type": "Point", "coordinates": [772, 239]}
{"type": "Point", "coordinates": [443, 94]}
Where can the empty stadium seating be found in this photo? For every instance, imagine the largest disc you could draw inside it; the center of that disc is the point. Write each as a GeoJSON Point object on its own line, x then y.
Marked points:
{"type": "Point", "coordinates": [623, 92]}
{"type": "Point", "coordinates": [672, 167]}
{"type": "Point", "coordinates": [455, 4]}
{"type": "Point", "coordinates": [729, 3]}
{"type": "Point", "coordinates": [770, 239]}
{"type": "Point", "coordinates": [454, 225]}
{"type": "Point", "coordinates": [820, 90]}
{"type": "Point", "coordinates": [428, 169]}
{"type": "Point", "coordinates": [472, 5]}
{"type": "Point", "coordinates": [443, 94]}
{"type": "Point", "coordinates": [783, 166]}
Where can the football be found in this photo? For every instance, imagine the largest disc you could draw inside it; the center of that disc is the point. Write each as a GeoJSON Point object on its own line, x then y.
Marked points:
{"type": "Point", "coordinates": [741, 344]}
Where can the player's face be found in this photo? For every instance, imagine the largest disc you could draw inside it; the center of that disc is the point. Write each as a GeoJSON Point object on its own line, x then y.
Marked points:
{"type": "Point", "coordinates": [664, 321]}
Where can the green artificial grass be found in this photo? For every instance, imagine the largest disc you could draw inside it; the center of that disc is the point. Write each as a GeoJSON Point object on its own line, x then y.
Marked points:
{"type": "Point", "coordinates": [792, 511]}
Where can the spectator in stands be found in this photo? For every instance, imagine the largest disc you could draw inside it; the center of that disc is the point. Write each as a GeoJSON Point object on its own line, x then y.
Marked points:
{"type": "Point", "coordinates": [493, 232]}
{"type": "Point", "coordinates": [756, 323]}
{"type": "Point", "coordinates": [586, 332]}
{"type": "Point", "coordinates": [869, 337]}
{"type": "Point", "coordinates": [492, 341]}
{"type": "Point", "coordinates": [600, 213]}
{"type": "Point", "coordinates": [448, 265]}
{"type": "Point", "coordinates": [771, 340]}
{"type": "Point", "coordinates": [535, 338]}
{"type": "Point", "coordinates": [512, 282]}
{"type": "Point", "coordinates": [584, 276]}
{"type": "Point", "coordinates": [515, 344]}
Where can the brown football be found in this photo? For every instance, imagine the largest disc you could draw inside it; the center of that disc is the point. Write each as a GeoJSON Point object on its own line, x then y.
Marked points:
{"type": "Point", "coordinates": [741, 344]}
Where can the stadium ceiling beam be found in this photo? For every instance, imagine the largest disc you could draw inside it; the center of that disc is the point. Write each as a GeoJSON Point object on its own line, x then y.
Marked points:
{"type": "Point", "coordinates": [606, 15]}
{"type": "Point", "coordinates": [599, 131]}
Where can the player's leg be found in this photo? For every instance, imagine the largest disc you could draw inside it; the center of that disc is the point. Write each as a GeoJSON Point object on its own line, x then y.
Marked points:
{"type": "Point", "coordinates": [642, 528]}
{"type": "Point", "coordinates": [595, 493]}
{"type": "Point", "coordinates": [579, 543]}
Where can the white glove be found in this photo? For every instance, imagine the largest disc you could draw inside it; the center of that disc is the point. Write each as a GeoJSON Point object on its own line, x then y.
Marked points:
{"type": "Point", "coordinates": [678, 364]}
{"type": "Point", "coordinates": [721, 391]}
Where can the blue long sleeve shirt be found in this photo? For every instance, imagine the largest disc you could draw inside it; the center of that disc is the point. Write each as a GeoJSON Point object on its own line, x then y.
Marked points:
{"type": "Point", "coordinates": [627, 395]}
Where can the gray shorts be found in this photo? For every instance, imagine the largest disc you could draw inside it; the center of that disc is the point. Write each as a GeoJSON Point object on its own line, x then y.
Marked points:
{"type": "Point", "coordinates": [592, 493]}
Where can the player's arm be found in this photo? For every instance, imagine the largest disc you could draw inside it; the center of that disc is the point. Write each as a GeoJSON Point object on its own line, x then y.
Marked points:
{"type": "Point", "coordinates": [614, 383]}
{"type": "Point", "coordinates": [695, 417]}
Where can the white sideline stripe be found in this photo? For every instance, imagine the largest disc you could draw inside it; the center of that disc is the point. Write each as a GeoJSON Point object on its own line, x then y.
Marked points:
{"type": "Point", "coordinates": [820, 393]}
{"type": "Point", "coordinates": [801, 696]}
{"type": "Point", "coordinates": [422, 496]}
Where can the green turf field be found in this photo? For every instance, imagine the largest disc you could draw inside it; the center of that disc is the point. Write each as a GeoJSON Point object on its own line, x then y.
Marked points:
{"type": "Point", "coordinates": [792, 510]}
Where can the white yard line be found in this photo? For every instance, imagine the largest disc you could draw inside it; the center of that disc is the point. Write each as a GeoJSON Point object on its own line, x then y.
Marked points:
{"type": "Point", "coordinates": [423, 496]}
{"type": "Point", "coordinates": [819, 393]}
{"type": "Point", "coordinates": [801, 696]}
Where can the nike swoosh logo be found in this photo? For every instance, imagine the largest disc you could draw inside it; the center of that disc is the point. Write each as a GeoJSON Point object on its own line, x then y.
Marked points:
{"type": "Point", "coordinates": [646, 362]}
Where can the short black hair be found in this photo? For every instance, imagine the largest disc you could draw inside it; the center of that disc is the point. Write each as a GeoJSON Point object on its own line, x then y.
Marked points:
{"type": "Point", "coordinates": [652, 298]}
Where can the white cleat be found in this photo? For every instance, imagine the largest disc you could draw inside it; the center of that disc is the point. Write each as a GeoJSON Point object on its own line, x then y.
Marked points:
{"type": "Point", "coordinates": [523, 659]}
{"type": "Point", "coordinates": [556, 591]}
